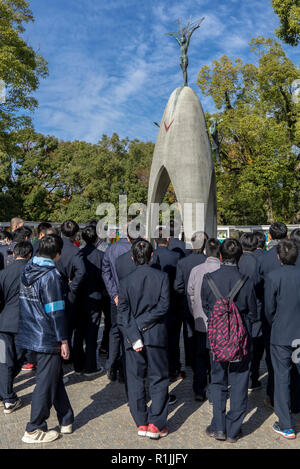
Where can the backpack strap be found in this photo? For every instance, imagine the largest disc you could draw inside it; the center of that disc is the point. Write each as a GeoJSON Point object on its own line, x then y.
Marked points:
{"type": "Point", "coordinates": [213, 287]}
{"type": "Point", "coordinates": [240, 283]}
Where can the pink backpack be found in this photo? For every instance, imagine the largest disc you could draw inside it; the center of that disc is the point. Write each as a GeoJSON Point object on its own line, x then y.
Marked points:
{"type": "Point", "coordinates": [227, 333]}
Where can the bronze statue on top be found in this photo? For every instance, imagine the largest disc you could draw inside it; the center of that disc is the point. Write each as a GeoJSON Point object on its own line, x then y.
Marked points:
{"type": "Point", "coordinates": [183, 40]}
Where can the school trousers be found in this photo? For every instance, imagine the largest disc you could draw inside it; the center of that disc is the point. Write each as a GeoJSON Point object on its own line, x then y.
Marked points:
{"type": "Point", "coordinates": [49, 391]}
{"type": "Point", "coordinates": [236, 375]}
{"type": "Point", "coordinates": [10, 365]}
{"type": "Point", "coordinates": [282, 360]}
{"type": "Point", "coordinates": [200, 363]}
{"type": "Point", "coordinates": [114, 360]}
{"type": "Point", "coordinates": [151, 362]}
{"type": "Point", "coordinates": [86, 331]}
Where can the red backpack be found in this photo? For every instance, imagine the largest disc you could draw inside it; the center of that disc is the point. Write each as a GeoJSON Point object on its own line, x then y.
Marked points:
{"type": "Point", "coordinates": [227, 333]}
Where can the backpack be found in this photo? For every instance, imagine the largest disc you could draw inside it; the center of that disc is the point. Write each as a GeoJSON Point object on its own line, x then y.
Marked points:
{"type": "Point", "coordinates": [227, 333]}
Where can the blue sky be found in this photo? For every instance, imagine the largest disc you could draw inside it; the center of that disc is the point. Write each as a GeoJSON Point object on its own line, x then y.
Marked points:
{"type": "Point", "coordinates": [112, 67]}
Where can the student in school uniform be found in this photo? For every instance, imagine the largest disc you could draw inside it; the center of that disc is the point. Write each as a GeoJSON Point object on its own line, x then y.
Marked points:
{"type": "Point", "coordinates": [9, 325]}
{"type": "Point", "coordinates": [183, 270]}
{"type": "Point", "coordinates": [166, 260]}
{"type": "Point", "coordinates": [295, 237]}
{"type": "Point", "coordinates": [43, 328]}
{"type": "Point", "coordinates": [267, 263]}
{"type": "Point", "coordinates": [142, 310]}
{"type": "Point", "coordinates": [248, 265]}
{"type": "Point", "coordinates": [228, 426]}
{"type": "Point", "coordinates": [201, 362]}
{"type": "Point", "coordinates": [42, 231]}
{"type": "Point", "coordinates": [282, 308]}
{"type": "Point", "coordinates": [89, 309]}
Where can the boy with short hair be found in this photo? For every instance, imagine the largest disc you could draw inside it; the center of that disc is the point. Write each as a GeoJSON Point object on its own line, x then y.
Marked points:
{"type": "Point", "coordinates": [43, 328]}
{"type": "Point", "coordinates": [143, 306]}
{"type": "Point", "coordinates": [282, 309]}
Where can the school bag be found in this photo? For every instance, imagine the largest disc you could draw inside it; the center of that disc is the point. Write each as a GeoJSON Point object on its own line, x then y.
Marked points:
{"type": "Point", "coordinates": [227, 333]}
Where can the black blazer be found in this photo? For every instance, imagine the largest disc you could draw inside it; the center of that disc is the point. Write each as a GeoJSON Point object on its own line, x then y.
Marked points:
{"type": "Point", "coordinates": [92, 288]}
{"type": "Point", "coordinates": [282, 304]}
{"type": "Point", "coordinates": [143, 305]}
{"type": "Point", "coordinates": [183, 270]}
{"type": "Point", "coordinates": [269, 262]}
{"type": "Point", "coordinates": [125, 265]}
{"type": "Point", "coordinates": [9, 296]}
{"type": "Point", "coordinates": [225, 279]}
{"type": "Point", "coordinates": [176, 245]}
{"type": "Point", "coordinates": [71, 267]}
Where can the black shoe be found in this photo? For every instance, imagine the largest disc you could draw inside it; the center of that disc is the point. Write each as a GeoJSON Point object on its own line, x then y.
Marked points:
{"type": "Point", "coordinates": [93, 373]}
{"type": "Point", "coordinates": [217, 435]}
{"type": "Point", "coordinates": [201, 397]}
{"type": "Point", "coordinates": [172, 399]}
{"type": "Point", "coordinates": [111, 374]}
{"type": "Point", "coordinates": [235, 439]}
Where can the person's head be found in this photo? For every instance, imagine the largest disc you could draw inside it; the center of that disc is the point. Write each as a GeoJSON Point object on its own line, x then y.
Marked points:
{"type": "Point", "coordinates": [141, 252]}
{"type": "Point", "coordinates": [260, 239]}
{"type": "Point", "coordinates": [93, 222]}
{"type": "Point", "coordinates": [5, 236]}
{"type": "Point", "coordinates": [42, 229]}
{"type": "Point", "coordinates": [231, 250]}
{"type": "Point", "coordinates": [135, 231]}
{"type": "Point", "coordinates": [22, 234]}
{"type": "Point", "coordinates": [212, 247]}
{"type": "Point", "coordinates": [198, 241]}
{"type": "Point", "coordinates": [295, 236]}
{"type": "Point", "coordinates": [89, 235]}
{"type": "Point", "coordinates": [248, 242]}
{"type": "Point", "coordinates": [69, 229]}
{"type": "Point", "coordinates": [160, 239]}
{"type": "Point", "coordinates": [23, 250]}
{"type": "Point", "coordinates": [50, 246]}
{"type": "Point", "coordinates": [173, 227]}
{"type": "Point", "coordinates": [287, 252]}
{"type": "Point", "coordinates": [16, 223]}
{"type": "Point", "coordinates": [278, 230]}
{"type": "Point", "coordinates": [51, 231]}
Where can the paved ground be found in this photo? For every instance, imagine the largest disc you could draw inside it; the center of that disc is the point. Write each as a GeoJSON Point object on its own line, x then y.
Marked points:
{"type": "Point", "coordinates": [103, 420]}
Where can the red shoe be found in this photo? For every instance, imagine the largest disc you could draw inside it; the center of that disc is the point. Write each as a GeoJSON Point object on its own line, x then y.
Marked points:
{"type": "Point", "coordinates": [28, 367]}
{"type": "Point", "coordinates": [143, 430]}
{"type": "Point", "coordinates": [154, 433]}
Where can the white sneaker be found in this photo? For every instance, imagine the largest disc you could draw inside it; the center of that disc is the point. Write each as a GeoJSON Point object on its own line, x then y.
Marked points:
{"type": "Point", "coordinates": [38, 436]}
{"type": "Point", "coordinates": [66, 429]}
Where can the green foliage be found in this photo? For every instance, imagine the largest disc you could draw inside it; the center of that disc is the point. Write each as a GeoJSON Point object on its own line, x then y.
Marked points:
{"type": "Point", "coordinates": [259, 124]}
{"type": "Point", "coordinates": [289, 15]}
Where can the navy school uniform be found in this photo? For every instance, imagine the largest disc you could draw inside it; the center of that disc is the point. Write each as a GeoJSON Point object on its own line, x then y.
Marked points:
{"type": "Point", "coordinates": [249, 266]}
{"type": "Point", "coordinates": [267, 263]}
{"type": "Point", "coordinates": [10, 363]}
{"type": "Point", "coordinates": [125, 265]}
{"type": "Point", "coordinates": [89, 310]}
{"type": "Point", "coordinates": [282, 309]}
{"type": "Point", "coordinates": [110, 277]}
{"type": "Point", "coordinates": [176, 245]}
{"type": "Point", "coordinates": [143, 306]}
{"type": "Point", "coordinates": [166, 260]}
{"type": "Point", "coordinates": [235, 374]}
{"type": "Point", "coordinates": [183, 270]}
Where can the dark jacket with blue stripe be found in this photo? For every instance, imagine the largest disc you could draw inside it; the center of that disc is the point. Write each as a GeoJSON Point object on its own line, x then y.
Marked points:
{"type": "Point", "coordinates": [42, 322]}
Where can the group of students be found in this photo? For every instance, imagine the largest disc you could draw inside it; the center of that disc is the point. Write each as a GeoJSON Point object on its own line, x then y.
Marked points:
{"type": "Point", "coordinates": [53, 294]}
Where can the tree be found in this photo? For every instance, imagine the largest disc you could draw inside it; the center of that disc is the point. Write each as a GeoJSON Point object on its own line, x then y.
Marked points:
{"type": "Point", "coordinates": [20, 69]}
{"type": "Point", "coordinates": [259, 126]}
{"type": "Point", "coordinates": [289, 15]}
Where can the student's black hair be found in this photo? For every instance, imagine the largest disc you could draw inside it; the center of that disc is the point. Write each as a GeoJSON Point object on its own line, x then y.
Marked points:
{"type": "Point", "coordinates": [260, 239]}
{"type": "Point", "coordinates": [212, 247]}
{"type": "Point", "coordinates": [22, 234]}
{"type": "Point", "coordinates": [287, 251]}
{"type": "Point", "coordinates": [278, 230]}
{"type": "Point", "coordinates": [231, 250]}
{"type": "Point", "coordinates": [137, 229]}
{"type": "Point", "coordinates": [5, 234]}
{"type": "Point", "coordinates": [89, 234]}
{"type": "Point", "coordinates": [23, 249]}
{"type": "Point", "coordinates": [295, 236]}
{"type": "Point", "coordinates": [93, 222]}
{"type": "Point", "coordinates": [50, 246]}
{"type": "Point", "coordinates": [141, 252]}
{"type": "Point", "coordinates": [69, 228]}
{"type": "Point", "coordinates": [43, 227]}
{"type": "Point", "coordinates": [248, 242]}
